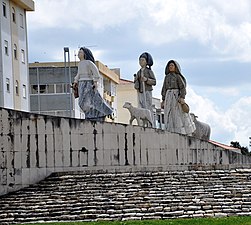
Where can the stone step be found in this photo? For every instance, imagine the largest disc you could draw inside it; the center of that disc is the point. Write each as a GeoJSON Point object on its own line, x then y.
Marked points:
{"type": "Point", "coordinates": [122, 196]}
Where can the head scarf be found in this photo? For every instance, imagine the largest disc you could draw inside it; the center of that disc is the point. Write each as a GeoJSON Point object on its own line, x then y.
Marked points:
{"type": "Point", "coordinates": [88, 54]}
{"type": "Point", "coordinates": [177, 67]}
{"type": "Point", "coordinates": [148, 57]}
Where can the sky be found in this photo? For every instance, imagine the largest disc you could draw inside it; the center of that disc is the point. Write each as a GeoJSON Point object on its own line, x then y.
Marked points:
{"type": "Point", "coordinates": [210, 39]}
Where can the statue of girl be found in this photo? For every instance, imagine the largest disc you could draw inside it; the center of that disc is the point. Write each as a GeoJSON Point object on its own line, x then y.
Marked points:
{"type": "Point", "coordinates": [173, 98]}
{"type": "Point", "coordinates": [87, 78]}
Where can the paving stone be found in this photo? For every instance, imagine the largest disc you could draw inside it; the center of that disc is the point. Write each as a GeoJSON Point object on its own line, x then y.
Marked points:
{"type": "Point", "coordinates": [83, 196]}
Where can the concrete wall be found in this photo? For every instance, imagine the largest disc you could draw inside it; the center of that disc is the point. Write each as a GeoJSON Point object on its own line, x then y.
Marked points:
{"type": "Point", "coordinates": [33, 146]}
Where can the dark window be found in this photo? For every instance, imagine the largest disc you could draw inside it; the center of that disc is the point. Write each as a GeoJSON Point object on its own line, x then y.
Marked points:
{"type": "Point", "coordinates": [42, 89]}
{"type": "Point", "coordinates": [4, 10]}
{"type": "Point", "coordinates": [8, 84]}
{"type": "Point", "coordinates": [13, 15]}
{"type": "Point", "coordinates": [17, 88]}
{"type": "Point", "coordinates": [15, 51]}
{"type": "Point", "coordinates": [6, 51]}
{"type": "Point", "coordinates": [34, 89]}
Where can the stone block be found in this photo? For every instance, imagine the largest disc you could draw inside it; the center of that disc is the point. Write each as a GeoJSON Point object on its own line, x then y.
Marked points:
{"type": "Point", "coordinates": [17, 160]}
{"type": "Point", "coordinates": [49, 127]}
{"type": "Point", "coordinates": [115, 157]}
{"type": "Point", "coordinates": [26, 176]}
{"type": "Point", "coordinates": [17, 143]}
{"type": "Point", "coordinates": [41, 125]}
{"type": "Point", "coordinates": [41, 159]}
{"type": "Point", "coordinates": [18, 176]}
{"type": "Point", "coordinates": [58, 158]}
{"type": "Point", "coordinates": [3, 176]}
{"type": "Point", "coordinates": [98, 159]}
{"type": "Point", "coordinates": [106, 157]}
{"type": "Point", "coordinates": [10, 159]}
{"type": "Point", "coordinates": [33, 140]}
{"type": "Point", "coordinates": [66, 142]}
{"type": "Point", "coordinates": [5, 143]}
{"type": "Point", "coordinates": [83, 158]}
{"type": "Point", "coordinates": [58, 138]}
{"type": "Point", "coordinates": [3, 159]}
{"type": "Point", "coordinates": [75, 158]}
{"type": "Point", "coordinates": [50, 159]}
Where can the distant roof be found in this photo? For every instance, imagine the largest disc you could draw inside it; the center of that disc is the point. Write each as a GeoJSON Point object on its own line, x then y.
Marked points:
{"type": "Point", "coordinates": [25, 4]}
{"type": "Point", "coordinates": [227, 147]}
{"type": "Point", "coordinates": [123, 81]}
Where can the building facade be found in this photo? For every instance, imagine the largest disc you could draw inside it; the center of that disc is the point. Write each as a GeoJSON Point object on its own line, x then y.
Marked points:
{"type": "Point", "coordinates": [14, 79]}
{"type": "Point", "coordinates": [51, 92]}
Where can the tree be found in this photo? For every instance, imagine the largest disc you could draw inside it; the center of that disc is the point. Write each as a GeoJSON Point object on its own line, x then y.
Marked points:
{"type": "Point", "coordinates": [244, 150]}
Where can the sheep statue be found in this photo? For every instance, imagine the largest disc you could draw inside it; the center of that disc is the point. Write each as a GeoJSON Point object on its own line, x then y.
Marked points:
{"type": "Point", "coordinates": [202, 131]}
{"type": "Point", "coordinates": [140, 114]}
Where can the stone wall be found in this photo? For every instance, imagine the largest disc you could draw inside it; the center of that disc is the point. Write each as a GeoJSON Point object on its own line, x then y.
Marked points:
{"type": "Point", "coordinates": [33, 146]}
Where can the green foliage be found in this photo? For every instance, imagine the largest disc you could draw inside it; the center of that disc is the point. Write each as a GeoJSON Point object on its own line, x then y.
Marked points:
{"type": "Point", "coordinates": [244, 150]}
{"type": "Point", "coordinates": [245, 220]}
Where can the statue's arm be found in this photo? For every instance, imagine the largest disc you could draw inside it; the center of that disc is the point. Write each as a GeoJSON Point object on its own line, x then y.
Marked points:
{"type": "Point", "coordinates": [151, 80]}
{"type": "Point", "coordinates": [182, 87]}
{"type": "Point", "coordinates": [94, 72]}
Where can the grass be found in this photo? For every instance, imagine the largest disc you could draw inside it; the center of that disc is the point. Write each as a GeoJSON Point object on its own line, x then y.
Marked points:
{"type": "Point", "coordinates": [244, 220]}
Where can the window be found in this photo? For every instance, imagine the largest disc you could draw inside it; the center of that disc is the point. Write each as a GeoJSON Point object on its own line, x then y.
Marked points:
{"type": "Point", "coordinates": [22, 56]}
{"type": "Point", "coordinates": [34, 89]}
{"type": "Point", "coordinates": [17, 87]}
{"type": "Point", "coordinates": [15, 51]}
{"type": "Point", "coordinates": [24, 91]}
{"type": "Point", "coordinates": [13, 15]}
{"type": "Point", "coordinates": [42, 89]}
{"type": "Point", "coordinates": [8, 85]}
{"type": "Point", "coordinates": [50, 88]}
{"type": "Point", "coordinates": [67, 88]}
{"type": "Point", "coordinates": [21, 20]}
{"type": "Point", "coordinates": [59, 88]}
{"type": "Point", "coordinates": [6, 50]}
{"type": "Point", "coordinates": [4, 10]}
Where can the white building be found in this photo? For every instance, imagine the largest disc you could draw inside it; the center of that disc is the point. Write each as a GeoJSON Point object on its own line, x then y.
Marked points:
{"type": "Point", "coordinates": [14, 79]}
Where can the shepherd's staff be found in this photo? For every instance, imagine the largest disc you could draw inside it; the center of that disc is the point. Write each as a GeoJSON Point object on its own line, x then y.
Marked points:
{"type": "Point", "coordinates": [144, 91]}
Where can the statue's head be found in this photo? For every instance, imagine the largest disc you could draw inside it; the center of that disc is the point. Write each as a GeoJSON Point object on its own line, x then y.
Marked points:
{"type": "Point", "coordinates": [177, 69]}
{"type": "Point", "coordinates": [176, 64]}
{"type": "Point", "coordinates": [87, 54]}
{"type": "Point", "coordinates": [148, 58]}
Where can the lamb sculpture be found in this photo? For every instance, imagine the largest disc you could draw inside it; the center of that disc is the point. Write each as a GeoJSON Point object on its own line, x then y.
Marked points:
{"type": "Point", "coordinates": [203, 130]}
{"type": "Point", "coordinates": [139, 114]}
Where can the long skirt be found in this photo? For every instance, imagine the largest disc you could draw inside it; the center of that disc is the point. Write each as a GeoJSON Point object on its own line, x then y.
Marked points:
{"type": "Point", "coordinates": [91, 102]}
{"type": "Point", "coordinates": [176, 120]}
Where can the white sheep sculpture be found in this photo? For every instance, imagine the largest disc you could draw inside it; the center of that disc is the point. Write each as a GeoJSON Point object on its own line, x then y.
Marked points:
{"type": "Point", "coordinates": [139, 114]}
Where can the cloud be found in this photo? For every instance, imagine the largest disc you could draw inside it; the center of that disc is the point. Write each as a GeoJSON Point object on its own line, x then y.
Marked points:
{"type": "Point", "coordinates": [240, 114]}
{"type": "Point", "coordinates": [76, 14]}
{"type": "Point", "coordinates": [233, 124]}
{"type": "Point", "coordinates": [215, 25]}
{"type": "Point", "coordinates": [205, 23]}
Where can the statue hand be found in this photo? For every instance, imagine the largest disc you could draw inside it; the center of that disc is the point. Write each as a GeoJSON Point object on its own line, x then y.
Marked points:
{"type": "Point", "coordinates": [143, 79]}
{"type": "Point", "coordinates": [74, 85]}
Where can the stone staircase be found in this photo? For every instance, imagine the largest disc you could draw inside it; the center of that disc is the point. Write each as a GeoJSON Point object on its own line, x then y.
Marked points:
{"type": "Point", "coordinates": [86, 196]}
